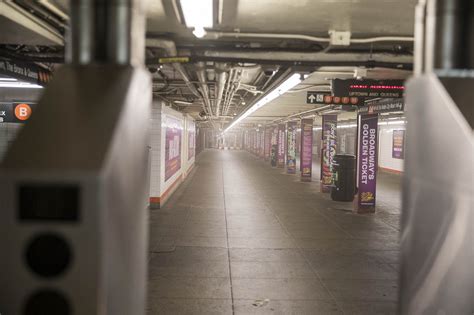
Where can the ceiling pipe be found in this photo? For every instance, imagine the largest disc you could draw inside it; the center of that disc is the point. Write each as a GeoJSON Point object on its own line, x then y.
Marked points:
{"type": "Point", "coordinates": [170, 48]}
{"type": "Point", "coordinates": [302, 114]}
{"type": "Point", "coordinates": [201, 75]}
{"type": "Point", "coordinates": [307, 56]}
{"type": "Point", "coordinates": [220, 84]}
{"type": "Point", "coordinates": [53, 8]}
{"type": "Point", "coordinates": [369, 40]}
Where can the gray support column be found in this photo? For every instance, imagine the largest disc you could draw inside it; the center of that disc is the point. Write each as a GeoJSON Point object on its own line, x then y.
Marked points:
{"type": "Point", "coordinates": [106, 31]}
{"type": "Point", "coordinates": [80, 43]}
{"type": "Point", "coordinates": [453, 29]}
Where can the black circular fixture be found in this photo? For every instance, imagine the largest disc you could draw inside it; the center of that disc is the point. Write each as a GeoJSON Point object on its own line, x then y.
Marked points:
{"type": "Point", "coordinates": [48, 255]}
{"type": "Point", "coordinates": [47, 302]}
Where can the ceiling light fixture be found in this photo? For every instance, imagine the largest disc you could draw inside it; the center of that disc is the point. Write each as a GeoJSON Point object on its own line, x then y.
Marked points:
{"type": "Point", "coordinates": [198, 14]}
{"type": "Point", "coordinates": [19, 85]}
{"type": "Point", "coordinates": [8, 80]}
{"type": "Point", "coordinates": [289, 83]}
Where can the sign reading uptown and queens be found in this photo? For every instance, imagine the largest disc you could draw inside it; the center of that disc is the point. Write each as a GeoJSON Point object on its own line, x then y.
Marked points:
{"type": "Point", "coordinates": [368, 88]}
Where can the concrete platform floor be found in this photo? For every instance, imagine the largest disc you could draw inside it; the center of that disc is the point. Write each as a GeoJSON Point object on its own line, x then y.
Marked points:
{"type": "Point", "coordinates": [240, 237]}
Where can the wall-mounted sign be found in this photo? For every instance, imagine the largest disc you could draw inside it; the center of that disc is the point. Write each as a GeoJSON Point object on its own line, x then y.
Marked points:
{"type": "Point", "coordinates": [173, 136]}
{"type": "Point", "coordinates": [17, 112]}
{"type": "Point", "coordinates": [328, 99]}
{"type": "Point", "coordinates": [368, 88]}
{"type": "Point", "coordinates": [191, 141]}
{"type": "Point", "coordinates": [398, 144]}
{"type": "Point", "coordinates": [383, 106]}
{"type": "Point", "coordinates": [25, 72]}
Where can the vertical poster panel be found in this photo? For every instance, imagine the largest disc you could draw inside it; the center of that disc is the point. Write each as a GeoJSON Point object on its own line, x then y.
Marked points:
{"type": "Point", "coordinates": [257, 147]}
{"type": "Point", "coordinates": [262, 144]}
{"type": "Point", "coordinates": [291, 147]}
{"type": "Point", "coordinates": [268, 144]}
{"type": "Point", "coordinates": [398, 144]}
{"type": "Point", "coordinates": [173, 136]}
{"type": "Point", "coordinates": [274, 147]}
{"type": "Point", "coordinates": [281, 146]}
{"type": "Point", "coordinates": [367, 163]}
{"type": "Point", "coordinates": [306, 154]}
{"type": "Point", "coordinates": [191, 140]}
{"type": "Point", "coordinates": [328, 145]}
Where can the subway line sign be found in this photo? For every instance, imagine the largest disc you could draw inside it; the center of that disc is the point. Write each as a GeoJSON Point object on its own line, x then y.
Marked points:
{"type": "Point", "coordinates": [16, 112]}
{"type": "Point", "coordinates": [326, 98]}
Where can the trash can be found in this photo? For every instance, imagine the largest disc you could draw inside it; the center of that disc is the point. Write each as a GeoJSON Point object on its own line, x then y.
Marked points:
{"type": "Point", "coordinates": [344, 188]}
{"type": "Point", "coordinates": [273, 155]}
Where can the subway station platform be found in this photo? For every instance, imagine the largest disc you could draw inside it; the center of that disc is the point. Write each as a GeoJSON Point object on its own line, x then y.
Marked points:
{"type": "Point", "coordinates": [241, 237]}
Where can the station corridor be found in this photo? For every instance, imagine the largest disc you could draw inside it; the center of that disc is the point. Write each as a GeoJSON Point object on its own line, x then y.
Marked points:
{"type": "Point", "coordinates": [241, 237]}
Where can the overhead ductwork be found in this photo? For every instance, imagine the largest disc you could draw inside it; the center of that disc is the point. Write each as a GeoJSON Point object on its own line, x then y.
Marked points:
{"type": "Point", "coordinates": [18, 26]}
{"type": "Point", "coordinates": [170, 48]}
{"type": "Point", "coordinates": [289, 56]}
{"type": "Point", "coordinates": [201, 75]}
{"type": "Point", "coordinates": [221, 77]}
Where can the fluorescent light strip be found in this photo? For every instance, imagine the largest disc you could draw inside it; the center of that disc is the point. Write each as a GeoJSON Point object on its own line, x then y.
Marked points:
{"type": "Point", "coordinates": [19, 85]}
{"type": "Point", "coordinates": [347, 126]}
{"type": "Point", "coordinates": [290, 83]}
{"type": "Point", "coordinates": [198, 14]}
{"type": "Point", "coordinates": [7, 80]}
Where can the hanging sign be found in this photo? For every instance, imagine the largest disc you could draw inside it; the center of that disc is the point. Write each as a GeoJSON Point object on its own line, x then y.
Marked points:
{"type": "Point", "coordinates": [368, 88]}
{"type": "Point", "coordinates": [306, 154]}
{"type": "Point", "coordinates": [291, 147]}
{"type": "Point", "coordinates": [383, 106]}
{"type": "Point", "coordinates": [25, 72]}
{"type": "Point", "coordinates": [398, 144]}
{"type": "Point", "coordinates": [327, 99]}
{"type": "Point", "coordinates": [281, 146]}
{"type": "Point", "coordinates": [176, 59]}
{"type": "Point", "coordinates": [367, 164]}
{"type": "Point", "coordinates": [329, 142]}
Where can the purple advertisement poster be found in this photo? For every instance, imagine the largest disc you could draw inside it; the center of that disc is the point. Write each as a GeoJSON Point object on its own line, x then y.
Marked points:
{"type": "Point", "coordinates": [268, 145]}
{"type": "Point", "coordinates": [291, 147]}
{"type": "Point", "coordinates": [191, 143]}
{"type": "Point", "coordinates": [367, 163]}
{"type": "Point", "coordinates": [281, 146]}
{"type": "Point", "coordinates": [173, 135]}
{"type": "Point", "coordinates": [398, 144]}
{"type": "Point", "coordinates": [306, 154]}
{"type": "Point", "coordinates": [328, 148]}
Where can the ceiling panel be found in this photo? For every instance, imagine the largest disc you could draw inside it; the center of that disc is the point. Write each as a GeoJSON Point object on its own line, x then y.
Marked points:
{"type": "Point", "coordinates": [293, 103]}
{"type": "Point", "coordinates": [314, 17]}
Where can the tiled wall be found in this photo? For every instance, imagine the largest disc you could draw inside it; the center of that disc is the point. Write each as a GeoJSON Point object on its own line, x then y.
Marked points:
{"type": "Point", "coordinates": [160, 189]}
{"type": "Point", "coordinates": [385, 148]}
{"type": "Point", "coordinates": [155, 144]}
{"type": "Point", "coordinates": [8, 132]}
